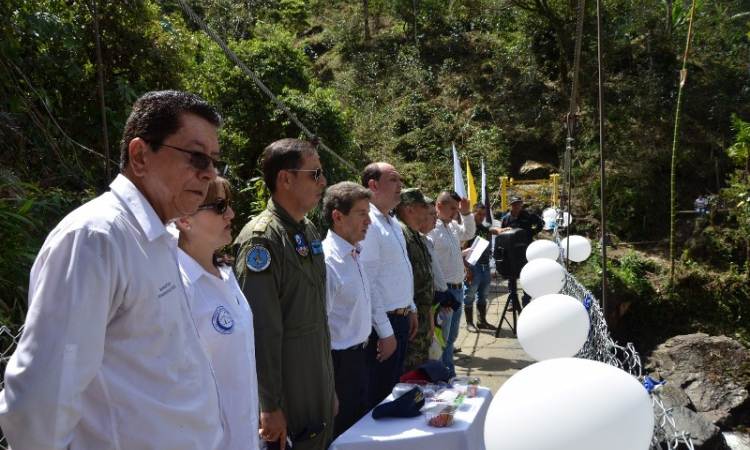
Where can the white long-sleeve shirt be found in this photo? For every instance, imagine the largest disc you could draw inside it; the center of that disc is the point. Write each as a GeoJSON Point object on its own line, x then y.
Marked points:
{"type": "Point", "coordinates": [447, 239]}
{"type": "Point", "coordinates": [109, 357]}
{"type": "Point", "coordinates": [225, 325]}
{"type": "Point", "coordinates": [388, 269]}
{"type": "Point", "coordinates": [438, 279]}
{"type": "Point", "coordinates": [348, 300]}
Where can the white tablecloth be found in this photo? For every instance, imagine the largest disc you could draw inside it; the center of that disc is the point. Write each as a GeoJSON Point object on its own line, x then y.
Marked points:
{"type": "Point", "coordinates": [390, 433]}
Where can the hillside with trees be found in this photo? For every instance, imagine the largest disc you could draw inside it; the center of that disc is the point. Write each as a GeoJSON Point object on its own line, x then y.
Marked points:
{"type": "Point", "coordinates": [400, 81]}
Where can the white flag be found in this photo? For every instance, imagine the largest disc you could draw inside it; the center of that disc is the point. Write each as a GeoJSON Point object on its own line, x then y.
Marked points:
{"type": "Point", "coordinates": [458, 178]}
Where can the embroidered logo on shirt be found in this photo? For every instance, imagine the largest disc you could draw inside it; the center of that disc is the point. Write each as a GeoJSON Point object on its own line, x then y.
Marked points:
{"type": "Point", "coordinates": [223, 321]}
{"type": "Point", "coordinates": [301, 246]}
{"type": "Point", "coordinates": [317, 247]}
{"type": "Point", "coordinates": [258, 259]}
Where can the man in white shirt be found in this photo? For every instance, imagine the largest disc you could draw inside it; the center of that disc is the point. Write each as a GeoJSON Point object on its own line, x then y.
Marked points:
{"type": "Point", "coordinates": [110, 357]}
{"type": "Point", "coordinates": [389, 271]}
{"type": "Point", "coordinates": [346, 209]}
{"type": "Point", "coordinates": [447, 237]}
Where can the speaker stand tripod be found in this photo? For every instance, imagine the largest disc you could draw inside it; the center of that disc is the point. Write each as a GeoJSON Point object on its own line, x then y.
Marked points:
{"type": "Point", "coordinates": [512, 303]}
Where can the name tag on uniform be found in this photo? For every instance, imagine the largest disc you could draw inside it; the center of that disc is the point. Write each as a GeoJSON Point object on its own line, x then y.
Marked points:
{"type": "Point", "coordinates": [317, 247]}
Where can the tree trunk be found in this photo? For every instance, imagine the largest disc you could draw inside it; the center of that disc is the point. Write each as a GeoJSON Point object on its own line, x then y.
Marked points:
{"type": "Point", "coordinates": [367, 19]}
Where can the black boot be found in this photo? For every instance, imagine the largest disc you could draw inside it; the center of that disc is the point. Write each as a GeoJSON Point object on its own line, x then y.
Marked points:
{"type": "Point", "coordinates": [482, 323]}
{"type": "Point", "coordinates": [469, 313]}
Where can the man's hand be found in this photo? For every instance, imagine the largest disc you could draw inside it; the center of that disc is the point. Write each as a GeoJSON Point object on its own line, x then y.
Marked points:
{"type": "Point", "coordinates": [463, 206]}
{"type": "Point", "coordinates": [413, 324]}
{"type": "Point", "coordinates": [273, 427]}
{"type": "Point", "coordinates": [386, 347]}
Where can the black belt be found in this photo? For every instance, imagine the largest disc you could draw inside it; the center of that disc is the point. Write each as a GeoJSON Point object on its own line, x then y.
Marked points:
{"type": "Point", "coordinates": [357, 346]}
{"type": "Point", "coordinates": [455, 286]}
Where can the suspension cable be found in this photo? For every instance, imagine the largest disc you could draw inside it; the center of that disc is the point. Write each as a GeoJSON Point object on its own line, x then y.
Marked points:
{"type": "Point", "coordinates": [260, 84]}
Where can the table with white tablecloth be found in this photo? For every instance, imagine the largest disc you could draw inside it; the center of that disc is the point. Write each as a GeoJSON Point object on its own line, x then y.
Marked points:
{"type": "Point", "coordinates": [390, 433]}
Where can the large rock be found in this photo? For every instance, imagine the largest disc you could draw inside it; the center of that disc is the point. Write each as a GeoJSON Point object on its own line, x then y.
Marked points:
{"type": "Point", "coordinates": [703, 434]}
{"type": "Point", "coordinates": [714, 372]}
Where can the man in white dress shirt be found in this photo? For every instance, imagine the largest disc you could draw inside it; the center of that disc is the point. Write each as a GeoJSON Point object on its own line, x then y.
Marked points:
{"type": "Point", "coordinates": [447, 237]}
{"type": "Point", "coordinates": [346, 209]}
{"type": "Point", "coordinates": [110, 357]}
{"type": "Point", "coordinates": [388, 269]}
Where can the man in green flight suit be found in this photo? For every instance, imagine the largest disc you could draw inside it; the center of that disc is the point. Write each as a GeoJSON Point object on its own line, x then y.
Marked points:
{"type": "Point", "coordinates": [412, 214]}
{"type": "Point", "coordinates": [281, 269]}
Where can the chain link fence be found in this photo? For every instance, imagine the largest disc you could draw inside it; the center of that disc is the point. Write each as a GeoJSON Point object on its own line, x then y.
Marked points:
{"type": "Point", "coordinates": [600, 347]}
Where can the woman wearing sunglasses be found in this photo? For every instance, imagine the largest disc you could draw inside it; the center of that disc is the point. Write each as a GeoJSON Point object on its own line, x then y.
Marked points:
{"type": "Point", "coordinates": [221, 313]}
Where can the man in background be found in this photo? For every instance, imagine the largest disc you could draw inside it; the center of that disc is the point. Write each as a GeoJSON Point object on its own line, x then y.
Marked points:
{"type": "Point", "coordinates": [110, 356]}
{"type": "Point", "coordinates": [346, 209]}
{"type": "Point", "coordinates": [391, 279]}
{"type": "Point", "coordinates": [479, 286]}
{"type": "Point", "coordinates": [281, 269]}
{"type": "Point", "coordinates": [412, 213]}
{"type": "Point", "coordinates": [447, 237]}
{"type": "Point", "coordinates": [531, 223]}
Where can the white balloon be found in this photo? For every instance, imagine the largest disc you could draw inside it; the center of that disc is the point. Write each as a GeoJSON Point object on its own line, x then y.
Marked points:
{"type": "Point", "coordinates": [549, 213]}
{"type": "Point", "coordinates": [542, 248]}
{"type": "Point", "coordinates": [570, 404]}
{"type": "Point", "coordinates": [553, 326]}
{"type": "Point", "coordinates": [541, 277]}
{"type": "Point", "coordinates": [579, 250]}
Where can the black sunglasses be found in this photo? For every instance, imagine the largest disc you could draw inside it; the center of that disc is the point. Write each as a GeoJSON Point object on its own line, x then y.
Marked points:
{"type": "Point", "coordinates": [219, 206]}
{"type": "Point", "coordinates": [317, 175]}
{"type": "Point", "coordinates": [199, 160]}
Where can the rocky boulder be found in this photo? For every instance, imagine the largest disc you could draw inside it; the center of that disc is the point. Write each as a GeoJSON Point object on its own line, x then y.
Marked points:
{"type": "Point", "coordinates": [714, 373]}
{"type": "Point", "coordinates": [708, 379]}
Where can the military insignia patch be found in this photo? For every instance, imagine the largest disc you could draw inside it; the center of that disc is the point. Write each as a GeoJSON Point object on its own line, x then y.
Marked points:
{"type": "Point", "coordinates": [223, 321]}
{"type": "Point", "coordinates": [317, 247]}
{"type": "Point", "coordinates": [258, 258]}
{"type": "Point", "coordinates": [301, 244]}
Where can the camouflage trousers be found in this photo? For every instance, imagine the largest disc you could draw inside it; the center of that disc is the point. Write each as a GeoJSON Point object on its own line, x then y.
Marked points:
{"type": "Point", "coordinates": [419, 349]}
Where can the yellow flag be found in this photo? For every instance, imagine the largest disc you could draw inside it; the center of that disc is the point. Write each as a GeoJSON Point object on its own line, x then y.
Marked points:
{"type": "Point", "coordinates": [470, 188]}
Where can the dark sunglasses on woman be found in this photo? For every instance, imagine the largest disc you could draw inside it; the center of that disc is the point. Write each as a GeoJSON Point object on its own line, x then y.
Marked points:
{"type": "Point", "coordinates": [219, 206]}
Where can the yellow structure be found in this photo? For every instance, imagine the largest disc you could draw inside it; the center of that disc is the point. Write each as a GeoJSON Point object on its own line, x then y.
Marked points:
{"type": "Point", "coordinates": [545, 190]}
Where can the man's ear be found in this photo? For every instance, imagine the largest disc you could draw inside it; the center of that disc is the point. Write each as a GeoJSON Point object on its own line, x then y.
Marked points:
{"type": "Point", "coordinates": [337, 216]}
{"type": "Point", "coordinates": [137, 152]}
{"type": "Point", "coordinates": [282, 179]}
{"type": "Point", "coordinates": [372, 185]}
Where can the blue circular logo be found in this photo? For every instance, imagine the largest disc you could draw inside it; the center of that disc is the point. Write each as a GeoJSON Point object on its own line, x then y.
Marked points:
{"type": "Point", "coordinates": [223, 321]}
{"type": "Point", "coordinates": [258, 258]}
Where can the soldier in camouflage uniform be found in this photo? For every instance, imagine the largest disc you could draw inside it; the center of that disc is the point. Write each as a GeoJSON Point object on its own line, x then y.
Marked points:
{"type": "Point", "coordinates": [281, 270]}
{"type": "Point", "coordinates": [412, 213]}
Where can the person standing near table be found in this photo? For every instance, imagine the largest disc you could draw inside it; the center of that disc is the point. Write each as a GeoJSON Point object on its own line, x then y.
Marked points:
{"type": "Point", "coordinates": [531, 223]}
{"type": "Point", "coordinates": [109, 356]}
{"type": "Point", "coordinates": [281, 269]}
{"type": "Point", "coordinates": [412, 213]}
{"type": "Point", "coordinates": [346, 209]}
{"type": "Point", "coordinates": [391, 283]}
{"type": "Point", "coordinates": [221, 313]}
{"type": "Point", "coordinates": [479, 287]}
{"type": "Point", "coordinates": [447, 237]}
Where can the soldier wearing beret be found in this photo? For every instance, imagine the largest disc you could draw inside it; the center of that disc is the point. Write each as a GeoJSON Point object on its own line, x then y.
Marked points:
{"type": "Point", "coordinates": [281, 269]}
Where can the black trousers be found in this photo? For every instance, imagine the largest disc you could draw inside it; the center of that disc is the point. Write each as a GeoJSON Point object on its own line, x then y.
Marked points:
{"type": "Point", "coordinates": [350, 377]}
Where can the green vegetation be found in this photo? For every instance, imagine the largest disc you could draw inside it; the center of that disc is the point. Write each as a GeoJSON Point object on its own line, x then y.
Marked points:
{"type": "Point", "coordinates": [400, 80]}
